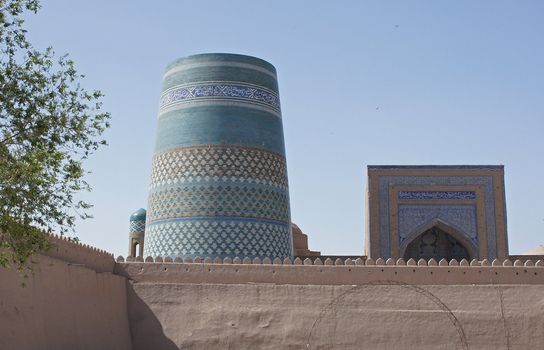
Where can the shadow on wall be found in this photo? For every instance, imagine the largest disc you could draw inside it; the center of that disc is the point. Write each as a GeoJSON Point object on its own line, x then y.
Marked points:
{"type": "Point", "coordinates": [145, 329]}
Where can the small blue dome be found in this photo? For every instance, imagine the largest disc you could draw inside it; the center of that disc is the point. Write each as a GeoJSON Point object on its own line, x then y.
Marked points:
{"type": "Point", "coordinates": [138, 215]}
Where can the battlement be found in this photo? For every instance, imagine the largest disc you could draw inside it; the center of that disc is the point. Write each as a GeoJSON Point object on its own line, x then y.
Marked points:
{"type": "Point", "coordinates": [329, 272]}
{"type": "Point", "coordinates": [76, 253]}
{"type": "Point", "coordinates": [339, 271]}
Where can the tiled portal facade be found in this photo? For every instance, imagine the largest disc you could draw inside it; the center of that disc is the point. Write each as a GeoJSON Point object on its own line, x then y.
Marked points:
{"type": "Point", "coordinates": [219, 180]}
{"type": "Point", "coordinates": [466, 202]}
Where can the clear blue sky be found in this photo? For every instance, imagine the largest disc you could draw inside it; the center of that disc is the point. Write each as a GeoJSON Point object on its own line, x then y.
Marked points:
{"type": "Point", "coordinates": [361, 82]}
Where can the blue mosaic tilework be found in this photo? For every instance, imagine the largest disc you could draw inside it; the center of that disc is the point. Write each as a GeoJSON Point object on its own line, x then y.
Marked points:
{"type": "Point", "coordinates": [138, 215]}
{"type": "Point", "coordinates": [214, 91]}
{"type": "Point", "coordinates": [219, 200]}
{"type": "Point", "coordinates": [137, 226]}
{"type": "Point", "coordinates": [227, 68]}
{"type": "Point", "coordinates": [219, 163]}
{"type": "Point", "coordinates": [222, 60]}
{"type": "Point", "coordinates": [441, 195]}
{"type": "Point", "coordinates": [220, 125]}
{"type": "Point", "coordinates": [219, 179]}
{"type": "Point", "coordinates": [386, 181]}
{"type": "Point", "coordinates": [461, 217]}
{"type": "Point", "coordinates": [218, 238]}
{"type": "Point", "coordinates": [137, 221]}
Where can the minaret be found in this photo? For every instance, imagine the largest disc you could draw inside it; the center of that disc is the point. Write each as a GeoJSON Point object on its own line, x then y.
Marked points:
{"type": "Point", "coordinates": [219, 180]}
{"type": "Point", "coordinates": [136, 233]}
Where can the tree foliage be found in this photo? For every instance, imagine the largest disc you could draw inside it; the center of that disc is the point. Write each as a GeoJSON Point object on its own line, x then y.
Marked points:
{"type": "Point", "coordinates": [49, 125]}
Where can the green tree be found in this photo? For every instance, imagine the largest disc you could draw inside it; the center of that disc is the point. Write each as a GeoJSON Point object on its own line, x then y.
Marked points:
{"type": "Point", "coordinates": [49, 125]}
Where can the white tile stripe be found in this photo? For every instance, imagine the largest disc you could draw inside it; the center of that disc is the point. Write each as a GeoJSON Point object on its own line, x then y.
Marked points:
{"type": "Point", "coordinates": [182, 67]}
{"type": "Point", "coordinates": [217, 102]}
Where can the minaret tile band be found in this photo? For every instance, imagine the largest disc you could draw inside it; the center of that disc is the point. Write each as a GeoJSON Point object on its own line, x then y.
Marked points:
{"type": "Point", "coordinates": [182, 96]}
{"type": "Point", "coordinates": [237, 164]}
{"type": "Point", "coordinates": [220, 124]}
{"type": "Point", "coordinates": [219, 183]}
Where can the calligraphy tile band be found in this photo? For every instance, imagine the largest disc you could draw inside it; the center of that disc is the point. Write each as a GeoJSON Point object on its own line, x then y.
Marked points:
{"type": "Point", "coordinates": [220, 90]}
{"type": "Point", "coordinates": [442, 195]}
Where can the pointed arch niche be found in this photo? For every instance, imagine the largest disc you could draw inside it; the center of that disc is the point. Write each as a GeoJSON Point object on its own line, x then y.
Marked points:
{"type": "Point", "coordinates": [438, 240]}
{"type": "Point", "coordinates": [469, 198]}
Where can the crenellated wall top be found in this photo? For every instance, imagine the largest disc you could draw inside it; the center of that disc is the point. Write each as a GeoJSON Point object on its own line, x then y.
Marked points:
{"type": "Point", "coordinates": [330, 272]}
{"type": "Point", "coordinates": [74, 252]}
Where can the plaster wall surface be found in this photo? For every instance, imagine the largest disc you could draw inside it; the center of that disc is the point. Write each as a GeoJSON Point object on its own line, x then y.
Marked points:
{"type": "Point", "coordinates": [82, 299]}
{"type": "Point", "coordinates": [371, 316]}
{"type": "Point", "coordinates": [79, 254]}
{"type": "Point", "coordinates": [329, 275]}
{"type": "Point", "coordinates": [64, 306]}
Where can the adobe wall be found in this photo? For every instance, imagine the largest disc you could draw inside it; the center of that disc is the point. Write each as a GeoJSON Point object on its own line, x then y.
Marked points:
{"type": "Point", "coordinates": [79, 298]}
{"type": "Point", "coordinates": [526, 257]}
{"type": "Point", "coordinates": [340, 272]}
{"type": "Point", "coordinates": [81, 254]}
{"type": "Point", "coordinates": [246, 304]}
{"type": "Point", "coordinates": [66, 304]}
{"type": "Point", "coordinates": [373, 316]}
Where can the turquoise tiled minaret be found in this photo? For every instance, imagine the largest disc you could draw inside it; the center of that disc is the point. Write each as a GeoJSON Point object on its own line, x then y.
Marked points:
{"type": "Point", "coordinates": [219, 179]}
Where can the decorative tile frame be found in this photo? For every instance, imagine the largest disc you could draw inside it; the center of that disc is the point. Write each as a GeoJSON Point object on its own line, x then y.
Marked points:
{"type": "Point", "coordinates": [453, 201]}
{"type": "Point", "coordinates": [437, 187]}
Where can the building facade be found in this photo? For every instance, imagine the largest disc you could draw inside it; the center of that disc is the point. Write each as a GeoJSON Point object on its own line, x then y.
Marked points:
{"type": "Point", "coordinates": [436, 212]}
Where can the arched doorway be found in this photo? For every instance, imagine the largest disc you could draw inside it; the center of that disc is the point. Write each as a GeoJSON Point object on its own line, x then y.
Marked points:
{"type": "Point", "coordinates": [436, 243]}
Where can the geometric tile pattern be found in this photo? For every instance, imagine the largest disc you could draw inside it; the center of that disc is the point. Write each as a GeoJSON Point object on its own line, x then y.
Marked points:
{"type": "Point", "coordinates": [218, 162]}
{"type": "Point", "coordinates": [385, 183]}
{"type": "Point", "coordinates": [462, 217]}
{"type": "Point", "coordinates": [441, 195]}
{"type": "Point", "coordinates": [219, 186]}
{"type": "Point", "coordinates": [191, 238]}
{"type": "Point", "coordinates": [248, 93]}
{"type": "Point", "coordinates": [137, 226]}
{"type": "Point", "coordinates": [220, 200]}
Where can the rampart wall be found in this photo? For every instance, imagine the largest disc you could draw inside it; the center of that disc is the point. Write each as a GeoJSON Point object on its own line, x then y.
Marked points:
{"type": "Point", "coordinates": [524, 258]}
{"type": "Point", "coordinates": [367, 316]}
{"type": "Point", "coordinates": [70, 300]}
{"type": "Point", "coordinates": [78, 297]}
{"type": "Point", "coordinates": [329, 272]}
{"type": "Point", "coordinates": [331, 304]}
{"type": "Point", "coordinates": [80, 254]}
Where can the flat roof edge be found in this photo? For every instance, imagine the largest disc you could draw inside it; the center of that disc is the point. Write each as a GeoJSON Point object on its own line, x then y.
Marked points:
{"type": "Point", "coordinates": [449, 167]}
